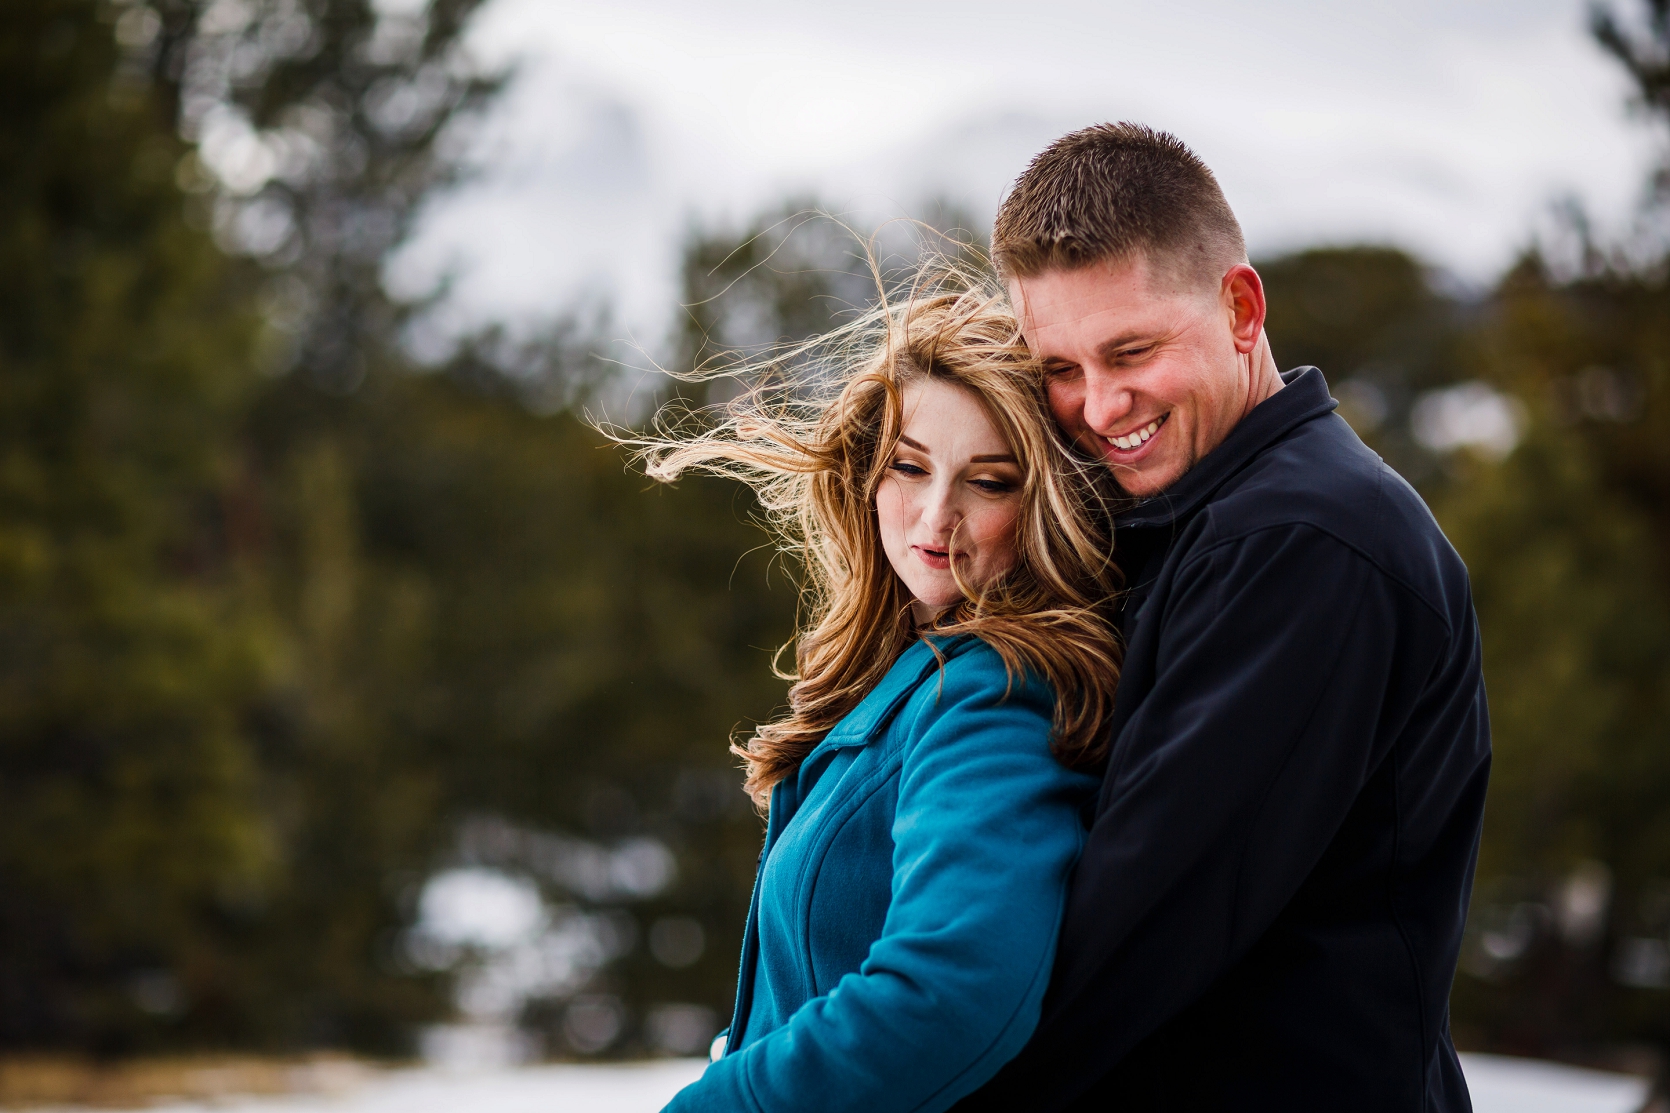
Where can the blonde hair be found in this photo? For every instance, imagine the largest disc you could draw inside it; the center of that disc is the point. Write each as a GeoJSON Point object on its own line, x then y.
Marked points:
{"type": "Point", "coordinates": [813, 437]}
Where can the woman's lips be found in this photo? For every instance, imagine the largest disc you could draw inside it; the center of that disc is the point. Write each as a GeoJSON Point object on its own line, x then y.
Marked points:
{"type": "Point", "coordinates": [935, 558]}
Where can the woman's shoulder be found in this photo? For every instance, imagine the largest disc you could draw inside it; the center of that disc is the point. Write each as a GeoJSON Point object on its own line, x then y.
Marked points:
{"type": "Point", "coordinates": [979, 724]}
{"type": "Point", "coordinates": [979, 661]}
{"type": "Point", "coordinates": [973, 674]}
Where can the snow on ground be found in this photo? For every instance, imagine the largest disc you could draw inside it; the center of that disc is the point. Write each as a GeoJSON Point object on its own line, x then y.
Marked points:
{"type": "Point", "coordinates": [1499, 1084]}
{"type": "Point", "coordinates": [624, 1088]}
{"type": "Point", "coordinates": [1503, 1085]}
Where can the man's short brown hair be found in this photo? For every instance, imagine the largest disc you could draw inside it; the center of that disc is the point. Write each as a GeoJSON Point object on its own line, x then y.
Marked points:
{"type": "Point", "coordinates": [1112, 192]}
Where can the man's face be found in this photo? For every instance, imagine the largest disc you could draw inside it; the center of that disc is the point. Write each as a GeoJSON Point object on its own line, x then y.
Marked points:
{"type": "Point", "coordinates": [1142, 368]}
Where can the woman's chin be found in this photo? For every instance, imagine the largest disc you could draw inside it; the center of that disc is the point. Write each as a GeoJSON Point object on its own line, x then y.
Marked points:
{"type": "Point", "coordinates": [926, 610]}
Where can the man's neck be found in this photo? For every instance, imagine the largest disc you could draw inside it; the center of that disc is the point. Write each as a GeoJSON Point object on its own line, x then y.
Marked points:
{"type": "Point", "coordinates": [1264, 379]}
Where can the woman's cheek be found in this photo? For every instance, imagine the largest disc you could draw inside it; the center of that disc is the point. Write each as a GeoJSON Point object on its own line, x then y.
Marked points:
{"type": "Point", "coordinates": [890, 515]}
{"type": "Point", "coordinates": [998, 540]}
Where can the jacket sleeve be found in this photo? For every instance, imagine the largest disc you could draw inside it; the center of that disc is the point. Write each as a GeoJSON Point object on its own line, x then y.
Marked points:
{"type": "Point", "coordinates": [1274, 660]}
{"type": "Point", "coordinates": [987, 828]}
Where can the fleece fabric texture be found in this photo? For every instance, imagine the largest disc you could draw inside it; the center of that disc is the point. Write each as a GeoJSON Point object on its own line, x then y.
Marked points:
{"type": "Point", "coordinates": [1269, 909]}
{"type": "Point", "coordinates": [905, 913]}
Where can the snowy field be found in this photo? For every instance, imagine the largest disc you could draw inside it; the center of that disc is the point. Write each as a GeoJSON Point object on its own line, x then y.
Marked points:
{"type": "Point", "coordinates": [1499, 1085]}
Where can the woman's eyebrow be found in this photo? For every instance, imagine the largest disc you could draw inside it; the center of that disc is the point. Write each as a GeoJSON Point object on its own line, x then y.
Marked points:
{"type": "Point", "coordinates": [918, 445]}
{"type": "Point", "coordinates": [1000, 458]}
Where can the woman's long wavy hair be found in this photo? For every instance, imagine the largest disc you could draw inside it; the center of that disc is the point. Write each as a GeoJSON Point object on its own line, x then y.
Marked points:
{"type": "Point", "coordinates": [813, 437]}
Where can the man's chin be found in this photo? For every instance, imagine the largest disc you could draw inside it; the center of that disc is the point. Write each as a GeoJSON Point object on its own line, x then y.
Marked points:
{"type": "Point", "coordinates": [1144, 482]}
{"type": "Point", "coordinates": [1144, 472]}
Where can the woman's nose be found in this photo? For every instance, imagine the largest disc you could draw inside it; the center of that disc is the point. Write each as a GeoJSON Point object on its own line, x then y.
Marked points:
{"type": "Point", "coordinates": [941, 513]}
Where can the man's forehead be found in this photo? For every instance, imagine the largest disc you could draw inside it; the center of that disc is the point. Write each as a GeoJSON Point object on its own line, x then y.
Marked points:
{"type": "Point", "coordinates": [1104, 294]}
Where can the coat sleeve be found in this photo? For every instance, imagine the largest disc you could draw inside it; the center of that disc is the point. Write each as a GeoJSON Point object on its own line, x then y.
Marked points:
{"type": "Point", "coordinates": [1275, 656]}
{"type": "Point", "coordinates": [987, 828]}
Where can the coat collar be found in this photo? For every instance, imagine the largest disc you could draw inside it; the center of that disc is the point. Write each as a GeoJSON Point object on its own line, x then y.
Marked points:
{"type": "Point", "coordinates": [877, 708]}
{"type": "Point", "coordinates": [1304, 397]}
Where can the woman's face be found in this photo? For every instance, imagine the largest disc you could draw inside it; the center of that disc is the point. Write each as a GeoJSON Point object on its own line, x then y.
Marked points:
{"type": "Point", "coordinates": [952, 492]}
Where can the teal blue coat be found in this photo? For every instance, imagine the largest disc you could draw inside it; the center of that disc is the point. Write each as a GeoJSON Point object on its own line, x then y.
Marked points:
{"type": "Point", "coordinates": [906, 908]}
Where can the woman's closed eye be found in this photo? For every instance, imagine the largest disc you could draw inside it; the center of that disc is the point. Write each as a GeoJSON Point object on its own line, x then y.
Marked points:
{"type": "Point", "coordinates": [905, 467]}
{"type": "Point", "coordinates": [993, 486]}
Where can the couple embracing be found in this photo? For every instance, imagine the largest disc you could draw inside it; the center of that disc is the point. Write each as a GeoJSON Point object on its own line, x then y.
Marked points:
{"type": "Point", "coordinates": [1137, 749]}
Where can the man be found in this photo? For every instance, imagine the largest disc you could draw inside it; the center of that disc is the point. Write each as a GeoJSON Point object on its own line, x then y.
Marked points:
{"type": "Point", "coordinates": [1269, 907]}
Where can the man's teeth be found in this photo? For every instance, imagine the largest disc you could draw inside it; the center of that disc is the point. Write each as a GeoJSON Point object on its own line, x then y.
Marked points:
{"type": "Point", "coordinates": [1136, 438]}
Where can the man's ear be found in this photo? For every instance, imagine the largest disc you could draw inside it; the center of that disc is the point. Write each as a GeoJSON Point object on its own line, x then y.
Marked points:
{"type": "Point", "coordinates": [1243, 300]}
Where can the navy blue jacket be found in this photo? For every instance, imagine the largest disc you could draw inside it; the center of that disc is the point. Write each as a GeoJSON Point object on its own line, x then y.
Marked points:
{"type": "Point", "coordinates": [1268, 911]}
{"type": "Point", "coordinates": [908, 900]}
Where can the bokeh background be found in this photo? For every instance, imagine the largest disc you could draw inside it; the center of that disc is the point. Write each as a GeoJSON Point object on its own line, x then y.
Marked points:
{"type": "Point", "coordinates": [355, 694]}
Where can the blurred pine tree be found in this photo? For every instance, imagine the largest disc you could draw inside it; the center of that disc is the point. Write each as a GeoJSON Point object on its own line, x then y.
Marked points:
{"type": "Point", "coordinates": [129, 649]}
{"type": "Point", "coordinates": [1568, 541]}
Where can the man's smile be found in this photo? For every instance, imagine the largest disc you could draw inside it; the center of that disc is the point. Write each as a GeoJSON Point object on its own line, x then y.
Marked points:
{"type": "Point", "coordinates": [1136, 438]}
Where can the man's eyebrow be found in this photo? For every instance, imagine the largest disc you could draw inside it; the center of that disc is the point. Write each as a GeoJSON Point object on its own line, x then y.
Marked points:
{"type": "Point", "coordinates": [1123, 340]}
{"type": "Point", "coordinates": [918, 445]}
{"type": "Point", "coordinates": [999, 458]}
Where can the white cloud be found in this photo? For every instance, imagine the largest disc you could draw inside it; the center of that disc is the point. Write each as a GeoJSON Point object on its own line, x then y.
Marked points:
{"type": "Point", "coordinates": [1445, 128]}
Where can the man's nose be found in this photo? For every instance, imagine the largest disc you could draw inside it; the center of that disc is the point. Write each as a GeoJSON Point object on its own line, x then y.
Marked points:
{"type": "Point", "coordinates": [1106, 402]}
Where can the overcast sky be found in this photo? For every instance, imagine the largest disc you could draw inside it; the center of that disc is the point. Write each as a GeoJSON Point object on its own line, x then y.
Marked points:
{"type": "Point", "coordinates": [1445, 126]}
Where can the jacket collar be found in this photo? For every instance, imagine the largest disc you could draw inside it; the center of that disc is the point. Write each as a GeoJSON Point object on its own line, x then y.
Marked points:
{"type": "Point", "coordinates": [1304, 397]}
{"type": "Point", "coordinates": [877, 708]}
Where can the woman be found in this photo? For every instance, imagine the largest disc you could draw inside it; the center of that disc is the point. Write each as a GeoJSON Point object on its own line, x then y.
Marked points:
{"type": "Point", "coordinates": [926, 786]}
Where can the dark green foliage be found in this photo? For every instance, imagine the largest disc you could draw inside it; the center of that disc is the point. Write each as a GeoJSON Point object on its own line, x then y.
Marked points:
{"type": "Point", "coordinates": [350, 105]}
{"type": "Point", "coordinates": [265, 641]}
{"type": "Point", "coordinates": [1566, 539]}
{"type": "Point", "coordinates": [500, 618]}
{"type": "Point", "coordinates": [128, 651]}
